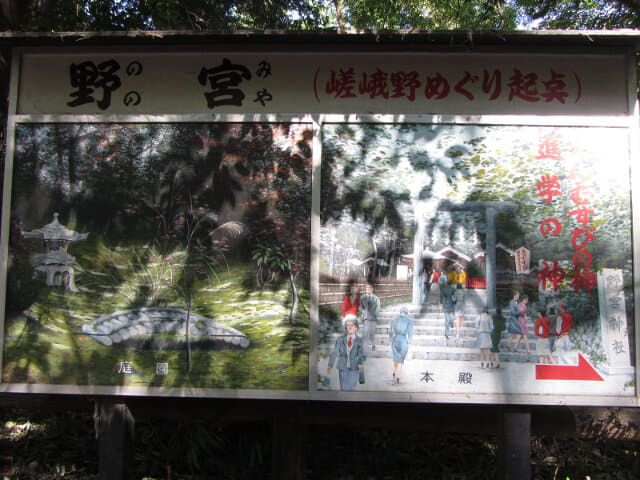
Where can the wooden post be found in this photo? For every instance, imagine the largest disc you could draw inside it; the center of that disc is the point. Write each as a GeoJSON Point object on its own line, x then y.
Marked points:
{"type": "Point", "coordinates": [115, 439]}
{"type": "Point", "coordinates": [514, 444]}
{"type": "Point", "coordinates": [287, 447]}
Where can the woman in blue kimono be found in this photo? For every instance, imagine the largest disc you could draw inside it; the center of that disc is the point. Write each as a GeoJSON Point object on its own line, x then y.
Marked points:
{"type": "Point", "coordinates": [349, 350]}
{"type": "Point", "coordinates": [400, 335]}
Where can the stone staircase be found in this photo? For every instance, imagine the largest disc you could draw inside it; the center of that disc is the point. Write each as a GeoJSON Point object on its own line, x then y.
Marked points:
{"type": "Point", "coordinates": [429, 342]}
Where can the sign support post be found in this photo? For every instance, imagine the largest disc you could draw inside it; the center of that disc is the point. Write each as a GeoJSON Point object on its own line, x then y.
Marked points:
{"type": "Point", "coordinates": [115, 437]}
{"type": "Point", "coordinates": [287, 447]}
{"type": "Point", "coordinates": [514, 443]}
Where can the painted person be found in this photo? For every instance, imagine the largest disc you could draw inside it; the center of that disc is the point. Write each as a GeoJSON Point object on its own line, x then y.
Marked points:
{"type": "Point", "coordinates": [448, 301]}
{"type": "Point", "coordinates": [351, 302]}
{"type": "Point", "coordinates": [453, 275]}
{"type": "Point", "coordinates": [462, 278]}
{"type": "Point", "coordinates": [459, 317]}
{"type": "Point", "coordinates": [349, 351]}
{"type": "Point", "coordinates": [434, 289]}
{"type": "Point", "coordinates": [400, 335]}
{"type": "Point", "coordinates": [499, 323]}
{"type": "Point", "coordinates": [426, 276]}
{"type": "Point", "coordinates": [522, 321]}
{"type": "Point", "coordinates": [434, 278]}
{"type": "Point", "coordinates": [484, 342]}
{"type": "Point", "coordinates": [513, 327]}
{"type": "Point", "coordinates": [461, 297]}
{"type": "Point", "coordinates": [563, 326]}
{"type": "Point", "coordinates": [542, 329]}
{"type": "Point", "coordinates": [442, 283]}
{"type": "Point", "coordinates": [462, 286]}
{"type": "Point", "coordinates": [368, 310]}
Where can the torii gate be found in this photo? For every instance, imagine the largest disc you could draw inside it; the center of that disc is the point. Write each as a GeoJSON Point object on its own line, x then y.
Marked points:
{"type": "Point", "coordinates": [490, 208]}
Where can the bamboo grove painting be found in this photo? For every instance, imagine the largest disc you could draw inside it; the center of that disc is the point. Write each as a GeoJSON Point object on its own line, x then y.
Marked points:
{"type": "Point", "coordinates": [476, 259]}
{"type": "Point", "coordinates": [160, 255]}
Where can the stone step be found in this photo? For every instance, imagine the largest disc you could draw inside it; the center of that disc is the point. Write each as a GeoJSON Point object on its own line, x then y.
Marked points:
{"type": "Point", "coordinates": [451, 342]}
{"type": "Point", "coordinates": [432, 342]}
{"type": "Point", "coordinates": [439, 322]}
{"type": "Point", "coordinates": [429, 310]}
{"type": "Point", "coordinates": [464, 356]}
{"type": "Point", "coordinates": [451, 353]}
{"type": "Point", "coordinates": [420, 334]}
{"type": "Point", "coordinates": [471, 296]}
{"type": "Point", "coordinates": [466, 330]}
{"type": "Point", "coordinates": [427, 316]}
{"type": "Point", "coordinates": [429, 342]}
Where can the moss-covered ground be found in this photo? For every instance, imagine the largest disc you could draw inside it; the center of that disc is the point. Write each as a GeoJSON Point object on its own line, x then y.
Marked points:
{"type": "Point", "coordinates": [45, 345]}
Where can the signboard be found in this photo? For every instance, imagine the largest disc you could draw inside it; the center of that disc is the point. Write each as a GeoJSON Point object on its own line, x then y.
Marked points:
{"type": "Point", "coordinates": [416, 83]}
{"type": "Point", "coordinates": [371, 227]}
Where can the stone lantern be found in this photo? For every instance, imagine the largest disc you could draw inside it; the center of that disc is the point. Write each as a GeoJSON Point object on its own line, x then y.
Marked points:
{"type": "Point", "coordinates": [55, 262]}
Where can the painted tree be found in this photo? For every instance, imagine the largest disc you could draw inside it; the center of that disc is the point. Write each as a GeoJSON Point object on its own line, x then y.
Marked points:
{"type": "Point", "coordinates": [201, 236]}
{"type": "Point", "coordinates": [273, 259]}
{"type": "Point", "coordinates": [516, 172]}
{"type": "Point", "coordinates": [383, 175]}
{"type": "Point", "coordinates": [470, 164]}
{"type": "Point", "coordinates": [280, 218]}
{"type": "Point", "coordinates": [222, 175]}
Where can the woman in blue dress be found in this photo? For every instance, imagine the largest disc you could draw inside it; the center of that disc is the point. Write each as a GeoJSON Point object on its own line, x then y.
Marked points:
{"type": "Point", "coordinates": [513, 326]}
{"type": "Point", "coordinates": [400, 335]}
{"type": "Point", "coordinates": [484, 342]}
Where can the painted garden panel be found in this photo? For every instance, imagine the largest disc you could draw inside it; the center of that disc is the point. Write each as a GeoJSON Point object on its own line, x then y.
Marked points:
{"type": "Point", "coordinates": [160, 255]}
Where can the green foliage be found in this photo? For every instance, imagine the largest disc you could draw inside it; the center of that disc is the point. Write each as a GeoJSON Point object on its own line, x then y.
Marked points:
{"type": "Point", "coordinates": [69, 15]}
{"type": "Point", "coordinates": [582, 306]}
{"type": "Point", "coordinates": [580, 14]}
{"type": "Point", "coordinates": [273, 258]}
{"type": "Point", "coordinates": [424, 14]}
{"type": "Point", "coordinates": [47, 445]}
{"type": "Point", "coordinates": [43, 445]}
{"type": "Point", "coordinates": [23, 286]}
{"type": "Point", "coordinates": [180, 446]}
{"type": "Point", "coordinates": [475, 269]}
{"type": "Point", "coordinates": [200, 15]}
{"type": "Point", "coordinates": [114, 15]}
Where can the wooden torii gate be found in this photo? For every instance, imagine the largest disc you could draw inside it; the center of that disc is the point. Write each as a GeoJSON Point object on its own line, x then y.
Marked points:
{"type": "Point", "coordinates": [490, 209]}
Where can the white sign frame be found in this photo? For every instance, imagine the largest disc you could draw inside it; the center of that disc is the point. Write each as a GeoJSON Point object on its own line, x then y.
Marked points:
{"type": "Point", "coordinates": [628, 121]}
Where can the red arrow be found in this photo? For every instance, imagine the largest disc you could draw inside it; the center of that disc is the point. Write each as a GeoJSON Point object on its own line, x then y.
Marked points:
{"type": "Point", "coordinates": [583, 371]}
